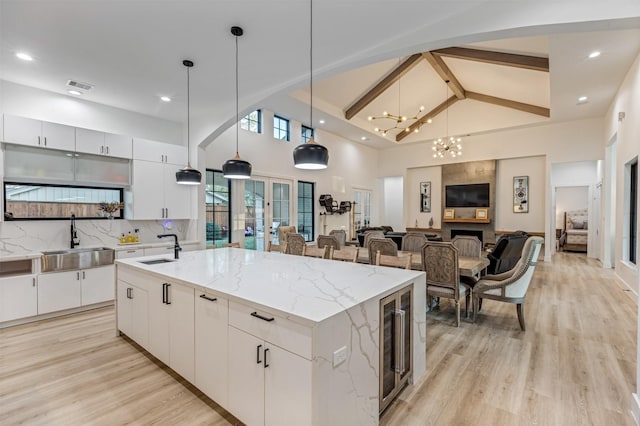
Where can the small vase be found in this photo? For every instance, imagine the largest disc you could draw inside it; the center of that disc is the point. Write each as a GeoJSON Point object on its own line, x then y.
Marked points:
{"type": "Point", "coordinates": [110, 216]}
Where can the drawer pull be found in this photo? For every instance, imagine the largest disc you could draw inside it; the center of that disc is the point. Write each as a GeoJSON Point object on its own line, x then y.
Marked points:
{"type": "Point", "coordinates": [257, 315]}
{"type": "Point", "coordinates": [210, 299]}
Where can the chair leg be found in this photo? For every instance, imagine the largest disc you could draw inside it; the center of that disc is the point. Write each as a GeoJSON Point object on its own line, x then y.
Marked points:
{"type": "Point", "coordinates": [457, 313]}
{"type": "Point", "coordinates": [520, 309]}
{"type": "Point", "coordinates": [480, 304]}
{"type": "Point", "coordinates": [475, 309]}
{"type": "Point", "coordinates": [467, 300]}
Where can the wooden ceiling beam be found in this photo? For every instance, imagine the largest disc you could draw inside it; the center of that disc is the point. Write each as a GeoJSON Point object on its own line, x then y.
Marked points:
{"type": "Point", "coordinates": [533, 109]}
{"type": "Point", "coordinates": [445, 74]}
{"type": "Point", "coordinates": [536, 63]}
{"type": "Point", "coordinates": [383, 85]}
{"type": "Point", "coordinates": [430, 115]}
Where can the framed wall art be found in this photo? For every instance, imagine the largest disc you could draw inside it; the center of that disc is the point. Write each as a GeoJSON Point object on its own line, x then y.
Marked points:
{"type": "Point", "coordinates": [425, 197]}
{"type": "Point", "coordinates": [482, 213]}
{"type": "Point", "coordinates": [449, 214]}
{"type": "Point", "coordinates": [521, 194]}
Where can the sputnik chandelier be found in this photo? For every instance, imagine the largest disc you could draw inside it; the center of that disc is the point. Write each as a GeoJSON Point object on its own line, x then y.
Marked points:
{"type": "Point", "coordinates": [449, 145]}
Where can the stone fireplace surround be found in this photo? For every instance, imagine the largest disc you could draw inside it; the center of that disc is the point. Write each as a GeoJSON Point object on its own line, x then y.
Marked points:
{"type": "Point", "coordinates": [469, 173]}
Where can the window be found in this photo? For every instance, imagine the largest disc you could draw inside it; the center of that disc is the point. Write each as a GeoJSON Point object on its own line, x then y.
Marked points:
{"type": "Point", "coordinates": [307, 133]}
{"type": "Point", "coordinates": [362, 208]}
{"type": "Point", "coordinates": [280, 128]}
{"type": "Point", "coordinates": [32, 201]}
{"type": "Point", "coordinates": [252, 122]}
{"type": "Point", "coordinates": [633, 211]}
{"type": "Point", "coordinates": [305, 210]}
{"type": "Point", "coordinates": [218, 208]}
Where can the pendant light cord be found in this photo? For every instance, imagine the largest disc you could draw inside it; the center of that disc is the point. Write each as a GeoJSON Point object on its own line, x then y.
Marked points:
{"type": "Point", "coordinates": [237, 112]}
{"type": "Point", "coordinates": [188, 117]}
{"type": "Point", "coordinates": [311, 65]}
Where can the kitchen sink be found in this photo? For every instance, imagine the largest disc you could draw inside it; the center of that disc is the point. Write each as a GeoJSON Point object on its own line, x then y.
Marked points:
{"type": "Point", "coordinates": [156, 261]}
{"type": "Point", "coordinates": [72, 259]}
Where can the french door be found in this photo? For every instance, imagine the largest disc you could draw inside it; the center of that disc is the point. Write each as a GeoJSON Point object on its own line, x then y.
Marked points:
{"type": "Point", "coordinates": [268, 205]}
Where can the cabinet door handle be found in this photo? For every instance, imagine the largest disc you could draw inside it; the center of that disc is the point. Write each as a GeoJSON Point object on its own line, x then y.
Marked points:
{"type": "Point", "coordinates": [258, 361]}
{"type": "Point", "coordinates": [266, 364]}
{"type": "Point", "coordinates": [34, 281]}
{"type": "Point", "coordinates": [131, 251]}
{"type": "Point", "coordinates": [164, 293]}
{"type": "Point", "coordinates": [129, 293]}
{"type": "Point", "coordinates": [107, 150]}
{"type": "Point", "coordinates": [45, 141]}
{"type": "Point", "coordinates": [102, 150]}
{"type": "Point", "coordinates": [399, 330]}
{"type": "Point", "coordinates": [78, 276]}
{"type": "Point", "coordinates": [38, 140]}
{"type": "Point", "coordinates": [167, 210]}
{"type": "Point", "coordinates": [84, 275]}
{"type": "Point", "coordinates": [210, 299]}
{"type": "Point", "coordinates": [257, 315]}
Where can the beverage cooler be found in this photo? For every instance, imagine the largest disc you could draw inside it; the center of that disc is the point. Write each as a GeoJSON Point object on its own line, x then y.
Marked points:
{"type": "Point", "coordinates": [396, 354]}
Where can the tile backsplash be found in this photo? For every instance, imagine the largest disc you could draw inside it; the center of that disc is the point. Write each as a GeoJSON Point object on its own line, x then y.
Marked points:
{"type": "Point", "coordinates": [17, 237]}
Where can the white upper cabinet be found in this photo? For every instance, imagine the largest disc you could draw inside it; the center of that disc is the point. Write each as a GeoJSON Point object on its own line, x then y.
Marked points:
{"type": "Point", "coordinates": [26, 131]}
{"type": "Point", "coordinates": [144, 149]}
{"type": "Point", "coordinates": [100, 143]}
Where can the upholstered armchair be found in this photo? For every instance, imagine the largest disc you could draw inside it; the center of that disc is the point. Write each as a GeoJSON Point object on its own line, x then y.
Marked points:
{"type": "Point", "coordinates": [340, 234]}
{"type": "Point", "coordinates": [506, 253]}
{"type": "Point", "coordinates": [440, 263]}
{"type": "Point", "coordinates": [328, 240]}
{"type": "Point", "coordinates": [383, 245]}
{"type": "Point", "coordinates": [413, 241]}
{"type": "Point", "coordinates": [510, 286]}
{"type": "Point", "coordinates": [295, 244]}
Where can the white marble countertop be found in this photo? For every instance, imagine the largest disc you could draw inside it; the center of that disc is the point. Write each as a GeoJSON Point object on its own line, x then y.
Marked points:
{"type": "Point", "coordinates": [307, 288]}
{"type": "Point", "coordinates": [21, 256]}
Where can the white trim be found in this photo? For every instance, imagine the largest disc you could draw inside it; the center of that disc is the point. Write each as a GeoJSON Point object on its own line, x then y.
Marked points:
{"type": "Point", "coordinates": [635, 408]}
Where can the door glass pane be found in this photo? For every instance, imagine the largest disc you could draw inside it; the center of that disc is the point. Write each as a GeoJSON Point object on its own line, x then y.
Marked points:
{"type": "Point", "coordinates": [217, 205]}
{"type": "Point", "coordinates": [280, 208]}
{"type": "Point", "coordinates": [46, 164]}
{"type": "Point", "coordinates": [254, 203]}
{"type": "Point", "coordinates": [101, 169]}
{"type": "Point", "coordinates": [405, 305]}
{"type": "Point", "coordinates": [388, 349]}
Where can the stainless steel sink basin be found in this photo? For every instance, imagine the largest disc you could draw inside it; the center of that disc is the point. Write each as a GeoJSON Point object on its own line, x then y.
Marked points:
{"type": "Point", "coordinates": [156, 261]}
{"type": "Point", "coordinates": [71, 259]}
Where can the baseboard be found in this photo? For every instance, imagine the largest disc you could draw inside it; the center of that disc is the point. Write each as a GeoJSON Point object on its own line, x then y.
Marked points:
{"type": "Point", "coordinates": [49, 315]}
{"type": "Point", "coordinates": [635, 408]}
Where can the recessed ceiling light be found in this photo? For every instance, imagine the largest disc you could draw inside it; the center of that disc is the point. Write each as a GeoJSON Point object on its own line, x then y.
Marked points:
{"type": "Point", "coordinates": [594, 54]}
{"type": "Point", "coordinates": [582, 99]}
{"type": "Point", "coordinates": [364, 138]}
{"type": "Point", "coordinates": [321, 122]}
{"type": "Point", "coordinates": [74, 92]}
{"type": "Point", "coordinates": [165, 99]}
{"type": "Point", "coordinates": [24, 56]}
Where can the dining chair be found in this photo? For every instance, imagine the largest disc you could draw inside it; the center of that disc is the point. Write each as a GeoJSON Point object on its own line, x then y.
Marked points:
{"type": "Point", "coordinates": [328, 240]}
{"type": "Point", "coordinates": [510, 286]}
{"type": "Point", "coordinates": [282, 239]}
{"type": "Point", "coordinates": [403, 261]}
{"type": "Point", "coordinates": [468, 246]}
{"type": "Point", "coordinates": [369, 235]}
{"type": "Point", "coordinates": [383, 245]}
{"type": "Point", "coordinates": [321, 253]}
{"type": "Point", "coordinates": [341, 234]}
{"type": "Point", "coordinates": [413, 241]}
{"type": "Point", "coordinates": [345, 254]}
{"type": "Point", "coordinates": [295, 244]}
{"type": "Point", "coordinates": [440, 263]}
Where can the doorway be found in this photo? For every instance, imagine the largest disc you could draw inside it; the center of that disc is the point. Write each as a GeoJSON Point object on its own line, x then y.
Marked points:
{"type": "Point", "coordinates": [267, 206]}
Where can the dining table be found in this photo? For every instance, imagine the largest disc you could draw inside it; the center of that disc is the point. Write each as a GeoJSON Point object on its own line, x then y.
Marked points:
{"type": "Point", "coordinates": [467, 266]}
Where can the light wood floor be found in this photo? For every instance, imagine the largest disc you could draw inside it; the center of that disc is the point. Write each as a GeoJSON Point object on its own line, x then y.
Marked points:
{"type": "Point", "coordinates": [574, 365]}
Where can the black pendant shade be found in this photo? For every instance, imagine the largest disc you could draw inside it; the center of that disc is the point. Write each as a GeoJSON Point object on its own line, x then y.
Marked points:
{"type": "Point", "coordinates": [236, 168]}
{"type": "Point", "coordinates": [310, 156]}
{"type": "Point", "coordinates": [188, 175]}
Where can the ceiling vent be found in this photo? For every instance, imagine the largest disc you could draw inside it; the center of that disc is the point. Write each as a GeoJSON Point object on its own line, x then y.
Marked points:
{"type": "Point", "coordinates": [79, 85]}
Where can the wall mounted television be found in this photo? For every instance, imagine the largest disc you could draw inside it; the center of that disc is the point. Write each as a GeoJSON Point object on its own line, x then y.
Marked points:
{"type": "Point", "coordinates": [472, 195]}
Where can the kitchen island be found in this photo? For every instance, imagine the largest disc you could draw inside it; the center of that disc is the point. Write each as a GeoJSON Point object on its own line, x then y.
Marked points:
{"type": "Point", "coordinates": [273, 338]}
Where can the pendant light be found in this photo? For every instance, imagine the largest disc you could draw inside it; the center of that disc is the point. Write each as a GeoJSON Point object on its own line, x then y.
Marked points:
{"type": "Point", "coordinates": [310, 155]}
{"type": "Point", "coordinates": [236, 168]}
{"type": "Point", "coordinates": [188, 175]}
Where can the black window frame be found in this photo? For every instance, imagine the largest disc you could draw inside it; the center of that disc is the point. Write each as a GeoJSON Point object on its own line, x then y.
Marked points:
{"type": "Point", "coordinates": [247, 119]}
{"type": "Point", "coordinates": [306, 133]}
{"type": "Point", "coordinates": [301, 226]}
{"type": "Point", "coordinates": [15, 219]}
{"type": "Point", "coordinates": [280, 130]}
{"type": "Point", "coordinates": [206, 222]}
{"type": "Point", "coordinates": [633, 211]}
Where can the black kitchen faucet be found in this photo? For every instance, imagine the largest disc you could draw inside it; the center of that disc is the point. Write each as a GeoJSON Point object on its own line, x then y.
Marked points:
{"type": "Point", "coordinates": [176, 247]}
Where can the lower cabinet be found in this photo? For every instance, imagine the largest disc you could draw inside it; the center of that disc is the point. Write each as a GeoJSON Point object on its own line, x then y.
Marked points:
{"type": "Point", "coordinates": [18, 297]}
{"type": "Point", "coordinates": [171, 326]}
{"type": "Point", "coordinates": [132, 312]}
{"type": "Point", "coordinates": [212, 313]}
{"type": "Point", "coordinates": [70, 289]}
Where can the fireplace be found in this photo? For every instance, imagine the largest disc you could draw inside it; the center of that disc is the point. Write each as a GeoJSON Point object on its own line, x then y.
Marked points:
{"type": "Point", "coordinates": [471, 232]}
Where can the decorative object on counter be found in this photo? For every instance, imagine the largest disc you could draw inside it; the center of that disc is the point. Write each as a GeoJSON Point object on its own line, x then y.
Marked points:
{"type": "Point", "coordinates": [482, 213]}
{"type": "Point", "coordinates": [430, 222]}
{"type": "Point", "coordinates": [425, 197]}
{"type": "Point", "coordinates": [188, 175]}
{"type": "Point", "coordinates": [123, 239]}
{"type": "Point", "coordinates": [449, 213]}
{"type": "Point", "coordinates": [136, 237]}
{"type": "Point", "coordinates": [521, 194]}
{"type": "Point", "coordinates": [236, 168]}
{"type": "Point", "coordinates": [311, 155]}
{"type": "Point", "coordinates": [110, 208]}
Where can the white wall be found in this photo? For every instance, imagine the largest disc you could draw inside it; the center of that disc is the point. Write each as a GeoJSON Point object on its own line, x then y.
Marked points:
{"type": "Point", "coordinates": [351, 165]}
{"type": "Point", "coordinates": [66, 109]}
{"type": "Point", "coordinates": [393, 205]}
{"type": "Point", "coordinates": [506, 170]}
{"type": "Point", "coordinates": [570, 198]}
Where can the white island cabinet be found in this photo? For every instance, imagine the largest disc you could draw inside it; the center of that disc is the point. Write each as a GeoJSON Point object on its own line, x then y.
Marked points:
{"type": "Point", "coordinates": [276, 339]}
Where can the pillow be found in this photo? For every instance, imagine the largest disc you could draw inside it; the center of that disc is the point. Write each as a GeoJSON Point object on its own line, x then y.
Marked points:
{"type": "Point", "coordinates": [579, 224]}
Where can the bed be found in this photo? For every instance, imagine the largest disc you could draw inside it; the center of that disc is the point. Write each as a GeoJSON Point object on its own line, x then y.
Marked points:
{"type": "Point", "coordinates": [575, 231]}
